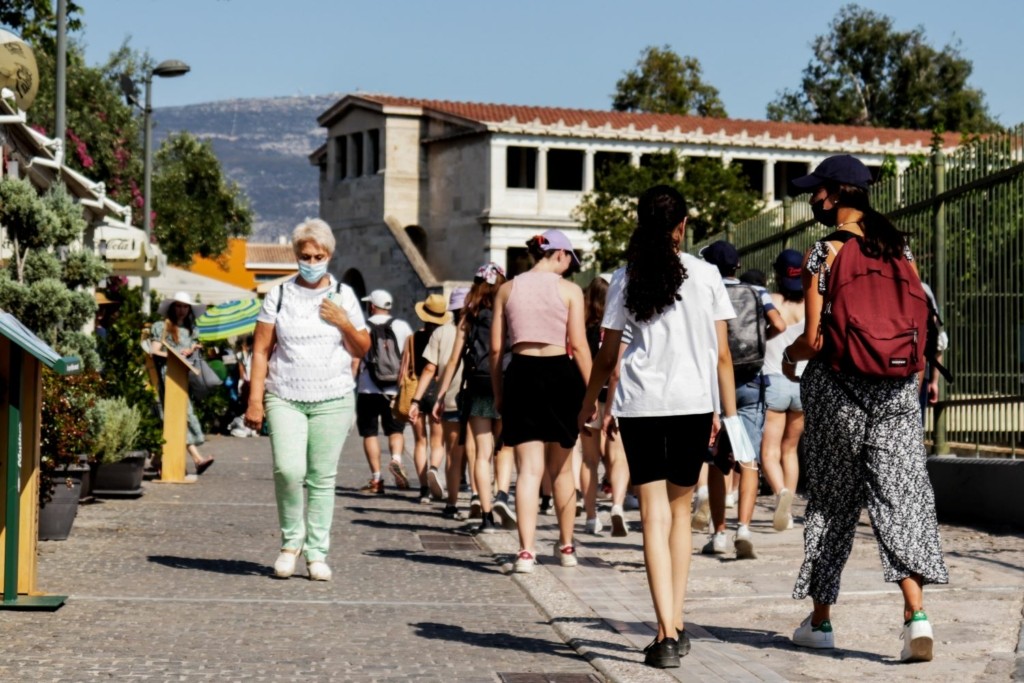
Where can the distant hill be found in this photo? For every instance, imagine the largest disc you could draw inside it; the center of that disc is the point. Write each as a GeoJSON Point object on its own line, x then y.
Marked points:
{"type": "Point", "coordinates": [263, 145]}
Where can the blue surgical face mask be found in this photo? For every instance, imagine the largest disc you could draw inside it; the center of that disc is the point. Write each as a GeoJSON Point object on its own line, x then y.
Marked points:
{"type": "Point", "coordinates": [312, 274]}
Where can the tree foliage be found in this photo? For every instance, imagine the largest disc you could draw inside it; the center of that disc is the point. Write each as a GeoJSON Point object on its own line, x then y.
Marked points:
{"type": "Point", "coordinates": [662, 82]}
{"type": "Point", "coordinates": [36, 20]}
{"type": "Point", "coordinates": [197, 209]}
{"type": "Point", "coordinates": [104, 135]}
{"type": "Point", "coordinates": [716, 194]}
{"type": "Point", "coordinates": [863, 72]}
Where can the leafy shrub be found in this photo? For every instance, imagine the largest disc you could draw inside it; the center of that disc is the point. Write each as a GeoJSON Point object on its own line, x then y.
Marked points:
{"type": "Point", "coordinates": [117, 428]}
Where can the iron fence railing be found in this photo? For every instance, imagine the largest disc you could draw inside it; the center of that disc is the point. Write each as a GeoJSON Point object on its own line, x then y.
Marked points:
{"type": "Point", "coordinates": [964, 213]}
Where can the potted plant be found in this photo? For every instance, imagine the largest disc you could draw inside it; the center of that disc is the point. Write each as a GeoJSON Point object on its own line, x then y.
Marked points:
{"type": "Point", "coordinates": [119, 468]}
{"type": "Point", "coordinates": [65, 433]}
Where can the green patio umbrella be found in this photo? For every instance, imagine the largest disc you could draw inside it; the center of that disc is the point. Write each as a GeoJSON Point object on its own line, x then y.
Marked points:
{"type": "Point", "coordinates": [231, 319]}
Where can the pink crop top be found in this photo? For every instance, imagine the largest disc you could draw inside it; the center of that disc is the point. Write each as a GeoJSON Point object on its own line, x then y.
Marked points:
{"type": "Point", "coordinates": [535, 311]}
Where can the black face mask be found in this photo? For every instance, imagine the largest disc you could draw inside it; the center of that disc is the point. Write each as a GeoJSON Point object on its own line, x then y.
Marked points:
{"type": "Point", "coordinates": [827, 217]}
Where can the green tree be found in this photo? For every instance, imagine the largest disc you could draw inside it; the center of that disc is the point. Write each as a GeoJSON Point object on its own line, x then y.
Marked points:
{"type": "Point", "coordinates": [196, 208]}
{"type": "Point", "coordinates": [665, 83]}
{"type": "Point", "coordinates": [863, 72]}
{"type": "Point", "coordinates": [36, 20]}
{"type": "Point", "coordinates": [716, 194]}
{"type": "Point", "coordinates": [104, 136]}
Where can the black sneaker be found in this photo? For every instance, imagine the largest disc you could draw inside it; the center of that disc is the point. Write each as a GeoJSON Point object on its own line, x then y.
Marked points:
{"type": "Point", "coordinates": [452, 512]}
{"type": "Point", "coordinates": [487, 525]}
{"type": "Point", "coordinates": [684, 643]}
{"type": "Point", "coordinates": [662, 654]}
{"type": "Point", "coordinates": [504, 511]}
{"type": "Point", "coordinates": [545, 505]}
{"type": "Point", "coordinates": [475, 510]}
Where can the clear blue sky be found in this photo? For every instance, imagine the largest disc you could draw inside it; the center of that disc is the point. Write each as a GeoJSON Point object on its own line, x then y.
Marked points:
{"type": "Point", "coordinates": [552, 52]}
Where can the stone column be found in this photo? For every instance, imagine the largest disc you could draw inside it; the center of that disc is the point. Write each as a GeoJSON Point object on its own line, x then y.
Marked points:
{"type": "Point", "coordinates": [498, 255]}
{"type": "Point", "coordinates": [634, 159]}
{"type": "Point", "coordinates": [588, 170]}
{"type": "Point", "coordinates": [499, 174]}
{"type": "Point", "coordinates": [542, 178]}
{"type": "Point", "coordinates": [768, 181]}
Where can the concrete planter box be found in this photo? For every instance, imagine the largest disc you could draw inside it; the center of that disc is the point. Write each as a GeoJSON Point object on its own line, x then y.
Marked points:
{"type": "Point", "coordinates": [978, 490]}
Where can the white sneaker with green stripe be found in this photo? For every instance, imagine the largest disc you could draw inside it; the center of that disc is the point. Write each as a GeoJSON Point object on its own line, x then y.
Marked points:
{"type": "Point", "coordinates": [917, 639]}
{"type": "Point", "coordinates": [819, 637]}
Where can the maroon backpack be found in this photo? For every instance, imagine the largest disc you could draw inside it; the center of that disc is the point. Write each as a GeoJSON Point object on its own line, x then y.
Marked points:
{"type": "Point", "coordinates": [875, 318]}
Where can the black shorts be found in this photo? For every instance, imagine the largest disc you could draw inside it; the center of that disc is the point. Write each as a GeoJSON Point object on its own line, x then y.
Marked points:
{"type": "Point", "coordinates": [374, 409]}
{"type": "Point", "coordinates": [671, 447]}
{"type": "Point", "coordinates": [542, 399]}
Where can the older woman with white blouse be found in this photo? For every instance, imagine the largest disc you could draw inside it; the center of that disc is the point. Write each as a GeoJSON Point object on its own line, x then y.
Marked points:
{"type": "Point", "coordinates": [308, 332]}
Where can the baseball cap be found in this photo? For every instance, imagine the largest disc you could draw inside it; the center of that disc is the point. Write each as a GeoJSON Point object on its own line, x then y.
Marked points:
{"type": "Point", "coordinates": [457, 299]}
{"type": "Point", "coordinates": [556, 239]}
{"type": "Point", "coordinates": [841, 168]}
{"type": "Point", "coordinates": [788, 268]}
{"type": "Point", "coordinates": [379, 298]}
{"type": "Point", "coordinates": [722, 254]}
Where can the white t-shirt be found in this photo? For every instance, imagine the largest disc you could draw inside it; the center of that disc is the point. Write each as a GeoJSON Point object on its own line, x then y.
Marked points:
{"type": "Point", "coordinates": [774, 347]}
{"type": "Point", "coordinates": [309, 362]}
{"type": "Point", "coordinates": [402, 332]}
{"type": "Point", "coordinates": [671, 364]}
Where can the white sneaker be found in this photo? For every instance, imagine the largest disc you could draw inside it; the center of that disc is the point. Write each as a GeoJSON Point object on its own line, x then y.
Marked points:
{"type": "Point", "coordinates": [744, 543]}
{"type": "Point", "coordinates": [593, 526]}
{"type": "Point", "coordinates": [631, 502]}
{"type": "Point", "coordinates": [783, 505]}
{"type": "Point", "coordinates": [566, 554]}
{"type": "Point", "coordinates": [701, 514]}
{"type": "Point", "coordinates": [525, 562]}
{"type": "Point", "coordinates": [319, 571]}
{"type": "Point", "coordinates": [284, 565]}
{"type": "Point", "coordinates": [434, 484]}
{"type": "Point", "coordinates": [917, 639]}
{"type": "Point", "coordinates": [619, 528]}
{"type": "Point", "coordinates": [819, 637]}
{"type": "Point", "coordinates": [730, 500]}
{"type": "Point", "coordinates": [240, 432]}
{"type": "Point", "coordinates": [789, 522]}
{"type": "Point", "coordinates": [715, 545]}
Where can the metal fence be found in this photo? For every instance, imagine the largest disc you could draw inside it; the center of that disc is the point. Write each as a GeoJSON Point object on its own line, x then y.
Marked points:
{"type": "Point", "coordinates": [964, 213]}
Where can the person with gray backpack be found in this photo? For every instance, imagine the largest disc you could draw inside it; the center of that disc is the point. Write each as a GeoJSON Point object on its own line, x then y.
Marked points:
{"type": "Point", "coordinates": [377, 388]}
{"type": "Point", "coordinates": [756, 321]}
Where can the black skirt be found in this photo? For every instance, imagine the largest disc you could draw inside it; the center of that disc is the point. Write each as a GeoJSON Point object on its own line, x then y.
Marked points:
{"type": "Point", "coordinates": [541, 400]}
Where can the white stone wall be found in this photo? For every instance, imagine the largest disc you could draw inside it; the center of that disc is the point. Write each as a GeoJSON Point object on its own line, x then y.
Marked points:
{"type": "Point", "coordinates": [457, 196]}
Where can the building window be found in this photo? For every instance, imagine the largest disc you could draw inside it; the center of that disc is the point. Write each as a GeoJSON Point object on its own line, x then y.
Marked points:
{"type": "Point", "coordinates": [521, 167]}
{"type": "Point", "coordinates": [753, 171]}
{"type": "Point", "coordinates": [605, 163]}
{"type": "Point", "coordinates": [357, 155]}
{"type": "Point", "coordinates": [419, 238]}
{"type": "Point", "coordinates": [340, 157]}
{"type": "Point", "coordinates": [565, 169]}
{"type": "Point", "coordinates": [374, 151]}
{"type": "Point", "coordinates": [517, 260]}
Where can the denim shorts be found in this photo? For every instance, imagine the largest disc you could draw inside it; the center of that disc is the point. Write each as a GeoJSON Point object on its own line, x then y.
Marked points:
{"type": "Point", "coordinates": [783, 394]}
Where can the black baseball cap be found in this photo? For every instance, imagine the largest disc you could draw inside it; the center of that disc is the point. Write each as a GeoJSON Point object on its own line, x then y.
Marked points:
{"type": "Point", "coordinates": [722, 254]}
{"type": "Point", "coordinates": [841, 168]}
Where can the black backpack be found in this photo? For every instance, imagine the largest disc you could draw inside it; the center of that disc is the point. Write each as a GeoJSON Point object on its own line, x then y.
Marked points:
{"type": "Point", "coordinates": [748, 331]}
{"type": "Point", "coordinates": [384, 359]}
{"type": "Point", "coordinates": [476, 356]}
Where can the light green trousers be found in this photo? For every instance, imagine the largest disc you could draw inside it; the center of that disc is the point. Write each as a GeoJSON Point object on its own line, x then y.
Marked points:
{"type": "Point", "coordinates": [306, 440]}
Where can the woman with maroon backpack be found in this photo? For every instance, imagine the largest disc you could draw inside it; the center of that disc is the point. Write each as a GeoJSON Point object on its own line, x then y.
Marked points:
{"type": "Point", "coordinates": [864, 337]}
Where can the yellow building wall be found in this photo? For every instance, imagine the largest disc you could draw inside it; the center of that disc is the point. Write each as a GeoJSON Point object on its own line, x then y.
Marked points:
{"type": "Point", "coordinates": [229, 267]}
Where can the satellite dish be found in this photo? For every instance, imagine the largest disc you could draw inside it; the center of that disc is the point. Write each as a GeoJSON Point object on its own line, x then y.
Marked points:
{"type": "Point", "coordinates": [18, 70]}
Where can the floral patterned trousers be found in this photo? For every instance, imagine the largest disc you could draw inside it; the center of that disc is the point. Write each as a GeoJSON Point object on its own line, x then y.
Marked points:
{"type": "Point", "coordinates": [863, 445]}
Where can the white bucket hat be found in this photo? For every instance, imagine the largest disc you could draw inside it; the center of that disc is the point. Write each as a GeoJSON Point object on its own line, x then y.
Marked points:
{"type": "Point", "coordinates": [184, 298]}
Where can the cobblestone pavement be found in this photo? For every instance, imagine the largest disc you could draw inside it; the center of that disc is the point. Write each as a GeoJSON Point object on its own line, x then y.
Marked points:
{"type": "Point", "coordinates": [740, 613]}
{"type": "Point", "coordinates": [176, 586]}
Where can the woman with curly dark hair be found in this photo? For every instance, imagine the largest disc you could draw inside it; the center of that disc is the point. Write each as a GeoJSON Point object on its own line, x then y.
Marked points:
{"type": "Point", "coordinates": [674, 373]}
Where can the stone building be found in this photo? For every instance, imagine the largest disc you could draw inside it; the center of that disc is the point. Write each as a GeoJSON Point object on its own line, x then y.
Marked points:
{"type": "Point", "coordinates": [421, 192]}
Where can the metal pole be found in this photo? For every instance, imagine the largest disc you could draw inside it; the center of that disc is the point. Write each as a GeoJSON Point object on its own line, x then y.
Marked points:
{"type": "Point", "coordinates": [939, 280]}
{"type": "Point", "coordinates": [147, 161]}
{"type": "Point", "coordinates": [60, 99]}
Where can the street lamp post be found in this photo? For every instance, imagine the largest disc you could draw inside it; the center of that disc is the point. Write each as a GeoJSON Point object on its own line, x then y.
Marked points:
{"type": "Point", "coordinates": [166, 69]}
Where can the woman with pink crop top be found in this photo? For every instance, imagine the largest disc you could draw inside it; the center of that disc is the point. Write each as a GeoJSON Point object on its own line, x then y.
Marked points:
{"type": "Point", "coordinates": [542, 390]}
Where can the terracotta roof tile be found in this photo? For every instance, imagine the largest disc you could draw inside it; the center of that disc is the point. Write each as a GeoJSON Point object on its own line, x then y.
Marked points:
{"type": "Point", "coordinates": [282, 254]}
{"type": "Point", "coordinates": [505, 113]}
